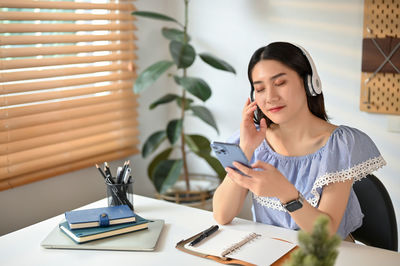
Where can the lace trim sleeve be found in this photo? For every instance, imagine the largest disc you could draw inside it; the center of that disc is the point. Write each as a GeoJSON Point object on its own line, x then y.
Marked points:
{"type": "Point", "coordinates": [356, 172]}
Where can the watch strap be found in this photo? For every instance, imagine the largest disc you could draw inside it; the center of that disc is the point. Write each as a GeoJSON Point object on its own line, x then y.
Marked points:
{"type": "Point", "coordinates": [295, 204]}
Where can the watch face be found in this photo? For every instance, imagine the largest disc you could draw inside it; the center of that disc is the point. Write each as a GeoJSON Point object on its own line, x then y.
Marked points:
{"type": "Point", "coordinates": [293, 206]}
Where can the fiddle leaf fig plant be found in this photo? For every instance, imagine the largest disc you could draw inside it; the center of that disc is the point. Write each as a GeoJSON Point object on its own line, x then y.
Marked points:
{"type": "Point", "coordinates": [165, 169]}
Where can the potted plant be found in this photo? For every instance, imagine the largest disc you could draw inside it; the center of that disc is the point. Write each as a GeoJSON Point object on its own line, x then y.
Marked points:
{"type": "Point", "coordinates": [317, 248]}
{"type": "Point", "coordinates": [165, 169]}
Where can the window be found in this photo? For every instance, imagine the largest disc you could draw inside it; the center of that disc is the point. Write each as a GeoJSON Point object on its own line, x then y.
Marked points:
{"type": "Point", "coordinates": [66, 81]}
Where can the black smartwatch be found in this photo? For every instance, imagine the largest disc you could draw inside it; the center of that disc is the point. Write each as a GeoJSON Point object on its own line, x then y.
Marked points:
{"type": "Point", "coordinates": [294, 205]}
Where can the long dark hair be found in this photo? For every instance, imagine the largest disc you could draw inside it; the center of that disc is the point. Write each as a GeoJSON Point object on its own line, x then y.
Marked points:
{"type": "Point", "coordinates": [291, 56]}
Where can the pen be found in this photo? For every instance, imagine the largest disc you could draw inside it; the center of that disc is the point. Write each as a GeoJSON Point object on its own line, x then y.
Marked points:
{"type": "Point", "coordinates": [204, 234]}
{"type": "Point", "coordinates": [126, 165]}
{"type": "Point", "coordinates": [119, 174]}
{"type": "Point", "coordinates": [126, 175]}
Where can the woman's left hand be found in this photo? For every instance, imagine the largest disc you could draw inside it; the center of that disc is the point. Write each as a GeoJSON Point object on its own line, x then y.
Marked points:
{"type": "Point", "coordinates": [263, 180]}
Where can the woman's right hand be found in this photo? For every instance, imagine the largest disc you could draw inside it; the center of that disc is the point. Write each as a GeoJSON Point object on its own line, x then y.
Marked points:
{"type": "Point", "coordinates": [250, 137]}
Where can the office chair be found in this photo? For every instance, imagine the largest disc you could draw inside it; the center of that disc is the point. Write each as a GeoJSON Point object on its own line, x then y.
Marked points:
{"type": "Point", "coordinates": [379, 228]}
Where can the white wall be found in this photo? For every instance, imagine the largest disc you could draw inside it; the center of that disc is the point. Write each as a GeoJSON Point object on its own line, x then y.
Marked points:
{"type": "Point", "coordinates": [330, 30]}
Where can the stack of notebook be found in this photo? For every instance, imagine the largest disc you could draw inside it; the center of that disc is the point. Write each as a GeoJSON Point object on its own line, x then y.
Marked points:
{"type": "Point", "coordinates": [91, 224]}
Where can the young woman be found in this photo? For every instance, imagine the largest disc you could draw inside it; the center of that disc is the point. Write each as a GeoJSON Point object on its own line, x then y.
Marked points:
{"type": "Point", "coordinates": [302, 165]}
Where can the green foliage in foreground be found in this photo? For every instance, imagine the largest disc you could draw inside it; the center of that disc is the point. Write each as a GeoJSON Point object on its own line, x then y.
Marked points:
{"type": "Point", "coordinates": [317, 248]}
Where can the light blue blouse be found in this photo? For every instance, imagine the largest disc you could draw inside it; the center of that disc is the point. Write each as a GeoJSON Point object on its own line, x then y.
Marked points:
{"type": "Point", "coordinates": [348, 154]}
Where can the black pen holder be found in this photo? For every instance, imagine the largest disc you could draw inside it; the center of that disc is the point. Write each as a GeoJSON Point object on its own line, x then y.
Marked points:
{"type": "Point", "coordinates": [120, 194]}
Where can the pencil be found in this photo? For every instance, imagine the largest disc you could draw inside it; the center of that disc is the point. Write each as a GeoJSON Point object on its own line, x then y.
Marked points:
{"type": "Point", "coordinates": [107, 169]}
{"type": "Point", "coordinates": [101, 172]}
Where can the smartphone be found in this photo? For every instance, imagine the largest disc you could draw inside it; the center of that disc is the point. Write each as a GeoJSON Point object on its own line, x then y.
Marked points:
{"type": "Point", "coordinates": [227, 153]}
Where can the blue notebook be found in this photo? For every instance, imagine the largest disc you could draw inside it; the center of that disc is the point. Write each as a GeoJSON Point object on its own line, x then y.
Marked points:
{"type": "Point", "coordinates": [88, 234]}
{"type": "Point", "coordinates": [99, 217]}
{"type": "Point", "coordinates": [142, 240]}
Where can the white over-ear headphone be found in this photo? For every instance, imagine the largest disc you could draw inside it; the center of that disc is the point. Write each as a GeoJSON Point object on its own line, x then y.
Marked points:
{"type": "Point", "coordinates": [312, 81]}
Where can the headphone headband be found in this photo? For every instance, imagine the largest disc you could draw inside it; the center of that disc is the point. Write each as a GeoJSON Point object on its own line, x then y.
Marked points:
{"type": "Point", "coordinates": [313, 81]}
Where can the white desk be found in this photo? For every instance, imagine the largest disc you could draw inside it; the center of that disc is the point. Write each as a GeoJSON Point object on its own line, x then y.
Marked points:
{"type": "Point", "coordinates": [22, 247]}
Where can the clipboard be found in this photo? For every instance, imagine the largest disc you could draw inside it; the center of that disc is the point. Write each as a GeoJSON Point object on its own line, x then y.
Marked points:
{"type": "Point", "coordinates": [228, 260]}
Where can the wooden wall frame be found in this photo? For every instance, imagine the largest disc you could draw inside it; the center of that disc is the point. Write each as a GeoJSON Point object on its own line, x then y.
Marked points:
{"type": "Point", "coordinates": [380, 77]}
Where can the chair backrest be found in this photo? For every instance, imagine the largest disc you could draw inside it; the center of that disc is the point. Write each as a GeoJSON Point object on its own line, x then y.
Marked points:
{"type": "Point", "coordinates": [379, 228]}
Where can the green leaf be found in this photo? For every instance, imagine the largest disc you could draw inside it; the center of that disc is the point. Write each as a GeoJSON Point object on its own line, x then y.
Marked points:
{"type": "Point", "coordinates": [165, 99]}
{"type": "Point", "coordinates": [197, 87]}
{"type": "Point", "coordinates": [174, 129]}
{"type": "Point", "coordinates": [216, 62]}
{"type": "Point", "coordinates": [215, 165]}
{"type": "Point", "coordinates": [166, 174]}
{"type": "Point", "coordinates": [154, 15]}
{"type": "Point", "coordinates": [151, 74]}
{"type": "Point", "coordinates": [153, 164]}
{"type": "Point", "coordinates": [174, 35]}
{"type": "Point", "coordinates": [198, 144]}
{"type": "Point", "coordinates": [152, 143]}
{"type": "Point", "coordinates": [182, 53]}
{"type": "Point", "coordinates": [177, 80]}
{"type": "Point", "coordinates": [187, 102]}
{"type": "Point", "coordinates": [204, 114]}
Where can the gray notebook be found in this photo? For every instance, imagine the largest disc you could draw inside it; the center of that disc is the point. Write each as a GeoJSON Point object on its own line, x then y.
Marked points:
{"type": "Point", "coordinates": [144, 240]}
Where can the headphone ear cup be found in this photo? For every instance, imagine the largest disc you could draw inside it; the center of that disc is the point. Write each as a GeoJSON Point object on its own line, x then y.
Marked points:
{"type": "Point", "coordinates": [316, 83]}
{"type": "Point", "coordinates": [310, 85]}
{"type": "Point", "coordinates": [313, 81]}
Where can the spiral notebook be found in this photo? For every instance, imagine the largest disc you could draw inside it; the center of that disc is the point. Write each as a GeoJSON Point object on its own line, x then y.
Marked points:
{"type": "Point", "coordinates": [242, 245]}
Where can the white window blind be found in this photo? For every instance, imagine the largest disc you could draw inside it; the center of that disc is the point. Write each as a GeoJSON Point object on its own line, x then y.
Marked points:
{"type": "Point", "coordinates": [66, 78]}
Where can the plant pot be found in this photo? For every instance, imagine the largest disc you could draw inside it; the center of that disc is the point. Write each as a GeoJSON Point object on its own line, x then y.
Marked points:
{"type": "Point", "coordinates": [202, 188]}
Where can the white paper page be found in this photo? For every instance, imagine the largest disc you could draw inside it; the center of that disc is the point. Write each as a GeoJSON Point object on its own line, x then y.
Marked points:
{"type": "Point", "coordinates": [260, 251]}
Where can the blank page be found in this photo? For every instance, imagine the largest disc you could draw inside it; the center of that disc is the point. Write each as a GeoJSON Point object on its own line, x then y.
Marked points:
{"type": "Point", "coordinates": [262, 250]}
